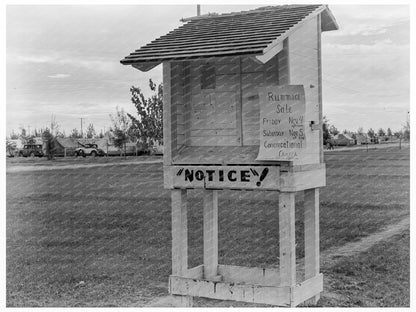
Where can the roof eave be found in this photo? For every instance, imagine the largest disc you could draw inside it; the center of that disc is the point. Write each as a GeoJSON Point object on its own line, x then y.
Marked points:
{"type": "Point", "coordinates": [328, 21]}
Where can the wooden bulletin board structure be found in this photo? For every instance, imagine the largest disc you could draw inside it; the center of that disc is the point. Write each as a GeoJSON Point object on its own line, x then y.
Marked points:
{"type": "Point", "coordinates": [243, 110]}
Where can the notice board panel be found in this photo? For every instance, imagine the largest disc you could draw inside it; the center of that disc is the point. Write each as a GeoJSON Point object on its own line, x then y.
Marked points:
{"type": "Point", "coordinates": [282, 123]}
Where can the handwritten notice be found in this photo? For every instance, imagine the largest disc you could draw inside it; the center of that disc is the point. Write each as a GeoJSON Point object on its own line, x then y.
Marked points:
{"type": "Point", "coordinates": [282, 122]}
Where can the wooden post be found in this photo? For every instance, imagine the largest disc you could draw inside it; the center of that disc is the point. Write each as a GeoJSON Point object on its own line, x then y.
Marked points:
{"type": "Point", "coordinates": [287, 267]}
{"type": "Point", "coordinates": [179, 232]}
{"type": "Point", "coordinates": [311, 219]}
{"type": "Point", "coordinates": [180, 241]}
{"type": "Point", "coordinates": [210, 234]}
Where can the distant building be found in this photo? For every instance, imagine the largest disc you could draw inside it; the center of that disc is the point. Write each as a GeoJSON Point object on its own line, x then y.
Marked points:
{"type": "Point", "coordinates": [362, 139]}
{"type": "Point", "coordinates": [343, 139]}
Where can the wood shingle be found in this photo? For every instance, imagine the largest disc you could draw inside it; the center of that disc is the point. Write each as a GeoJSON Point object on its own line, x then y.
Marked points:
{"type": "Point", "coordinates": [245, 33]}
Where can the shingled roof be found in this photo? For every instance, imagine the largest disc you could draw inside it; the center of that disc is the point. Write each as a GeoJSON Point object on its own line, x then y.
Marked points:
{"type": "Point", "coordinates": [250, 32]}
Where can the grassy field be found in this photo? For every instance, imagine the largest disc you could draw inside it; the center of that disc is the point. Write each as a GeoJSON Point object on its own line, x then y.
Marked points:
{"type": "Point", "coordinates": [101, 236]}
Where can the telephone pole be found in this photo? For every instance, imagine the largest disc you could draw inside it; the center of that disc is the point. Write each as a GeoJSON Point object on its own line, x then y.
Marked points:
{"type": "Point", "coordinates": [82, 135]}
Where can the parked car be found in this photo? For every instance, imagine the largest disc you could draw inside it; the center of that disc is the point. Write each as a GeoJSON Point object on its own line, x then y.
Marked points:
{"type": "Point", "coordinates": [89, 150]}
{"type": "Point", "coordinates": [31, 150]}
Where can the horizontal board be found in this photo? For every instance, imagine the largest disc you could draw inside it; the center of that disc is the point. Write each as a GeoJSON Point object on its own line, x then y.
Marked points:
{"type": "Point", "coordinates": [218, 141]}
{"type": "Point", "coordinates": [225, 177]}
{"type": "Point", "coordinates": [308, 289]}
{"type": "Point", "coordinates": [213, 132]}
{"type": "Point", "coordinates": [273, 295]}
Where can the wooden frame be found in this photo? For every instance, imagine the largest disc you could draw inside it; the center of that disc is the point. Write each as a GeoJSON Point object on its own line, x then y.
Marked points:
{"type": "Point", "coordinates": [188, 166]}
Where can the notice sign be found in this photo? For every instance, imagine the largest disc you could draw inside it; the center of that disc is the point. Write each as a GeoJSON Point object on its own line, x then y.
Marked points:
{"type": "Point", "coordinates": [225, 177]}
{"type": "Point", "coordinates": [282, 122]}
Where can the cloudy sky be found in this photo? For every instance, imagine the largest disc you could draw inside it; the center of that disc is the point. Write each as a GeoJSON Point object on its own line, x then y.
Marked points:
{"type": "Point", "coordinates": [64, 61]}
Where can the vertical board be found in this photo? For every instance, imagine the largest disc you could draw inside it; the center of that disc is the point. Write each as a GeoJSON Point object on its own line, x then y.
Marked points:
{"type": "Point", "coordinates": [178, 108]}
{"type": "Point", "coordinates": [254, 75]}
{"type": "Point", "coordinates": [179, 232]}
{"type": "Point", "coordinates": [214, 101]}
{"type": "Point", "coordinates": [311, 221]}
{"type": "Point", "coordinates": [210, 233]}
{"type": "Point", "coordinates": [287, 267]}
{"type": "Point", "coordinates": [167, 112]}
{"type": "Point", "coordinates": [303, 70]}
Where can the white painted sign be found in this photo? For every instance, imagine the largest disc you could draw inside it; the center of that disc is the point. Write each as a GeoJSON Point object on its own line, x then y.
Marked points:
{"type": "Point", "coordinates": [282, 122]}
{"type": "Point", "coordinates": [225, 177]}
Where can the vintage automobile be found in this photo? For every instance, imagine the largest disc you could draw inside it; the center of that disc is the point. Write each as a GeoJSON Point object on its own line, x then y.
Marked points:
{"type": "Point", "coordinates": [31, 150]}
{"type": "Point", "coordinates": [88, 150]}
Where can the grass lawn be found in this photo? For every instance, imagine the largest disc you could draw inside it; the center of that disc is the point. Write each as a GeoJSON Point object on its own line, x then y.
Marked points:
{"type": "Point", "coordinates": [379, 276]}
{"type": "Point", "coordinates": [101, 236]}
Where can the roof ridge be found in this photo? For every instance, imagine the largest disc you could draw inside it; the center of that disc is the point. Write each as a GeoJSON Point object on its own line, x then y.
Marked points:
{"type": "Point", "coordinates": [253, 11]}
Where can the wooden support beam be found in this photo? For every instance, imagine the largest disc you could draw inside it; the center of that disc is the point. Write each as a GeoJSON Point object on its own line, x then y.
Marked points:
{"type": "Point", "coordinates": [180, 242]}
{"type": "Point", "coordinates": [167, 111]}
{"type": "Point", "coordinates": [179, 233]}
{"type": "Point", "coordinates": [210, 234]}
{"type": "Point", "coordinates": [287, 239]}
{"type": "Point", "coordinates": [311, 219]}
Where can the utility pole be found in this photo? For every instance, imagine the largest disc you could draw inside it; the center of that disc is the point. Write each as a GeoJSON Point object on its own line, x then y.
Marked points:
{"type": "Point", "coordinates": [82, 135]}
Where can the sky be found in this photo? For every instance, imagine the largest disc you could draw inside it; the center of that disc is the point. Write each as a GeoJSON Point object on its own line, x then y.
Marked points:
{"type": "Point", "coordinates": [64, 61]}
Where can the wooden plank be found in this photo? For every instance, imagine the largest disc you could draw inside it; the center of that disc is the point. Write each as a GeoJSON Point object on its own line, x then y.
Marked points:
{"type": "Point", "coordinates": [181, 52]}
{"type": "Point", "coordinates": [213, 141]}
{"type": "Point", "coordinates": [221, 155]}
{"type": "Point", "coordinates": [195, 272]}
{"type": "Point", "coordinates": [167, 130]}
{"type": "Point", "coordinates": [249, 275]}
{"type": "Point", "coordinates": [179, 232]}
{"type": "Point", "coordinates": [267, 56]}
{"type": "Point", "coordinates": [279, 296]}
{"type": "Point", "coordinates": [163, 57]}
{"type": "Point", "coordinates": [183, 44]}
{"type": "Point", "coordinates": [319, 46]}
{"type": "Point", "coordinates": [307, 289]}
{"type": "Point", "coordinates": [225, 177]}
{"type": "Point", "coordinates": [283, 61]}
{"type": "Point", "coordinates": [302, 180]}
{"type": "Point", "coordinates": [213, 132]}
{"type": "Point", "coordinates": [287, 267]}
{"type": "Point", "coordinates": [239, 108]}
{"type": "Point", "coordinates": [210, 201]}
{"type": "Point", "coordinates": [187, 95]}
{"type": "Point", "coordinates": [311, 225]}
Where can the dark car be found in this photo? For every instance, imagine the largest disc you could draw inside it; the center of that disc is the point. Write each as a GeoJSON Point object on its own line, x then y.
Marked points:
{"type": "Point", "coordinates": [88, 150]}
{"type": "Point", "coordinates": [31, 150]}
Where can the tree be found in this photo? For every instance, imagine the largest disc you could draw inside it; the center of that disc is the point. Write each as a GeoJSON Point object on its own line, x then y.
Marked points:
{"type": "Point", "coordinates": [13, 135]}
{"type": "Point", "coordinates": [48, 139]}
{"type": "Point", "coordinates": [381, 132]}
{"type": "Point", "coordinates": [333, 130]}
{"type": "Point", "coordinates": [325, 130]}
{"type": "Point", "coordinates": [371, 133]}
{"type": "Point", "coordinates": [398, 134]}
{"type": "Point", "coordinates": [91, 131]}
{"type": "Point", "coordinates": [75, 134]}
{"type": "Point", "coordinates": [360, 130]}
{"type": "Point", "coordinates": [406, 131]}
{"type": "Point", "coordinates": [121, 129]}
{"type": "Point", "coordinates": [389, 133]}
{"type": "Point", "coordinates": [148, 126]}
{"type": "Point", "coordinates": [10, 147]}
